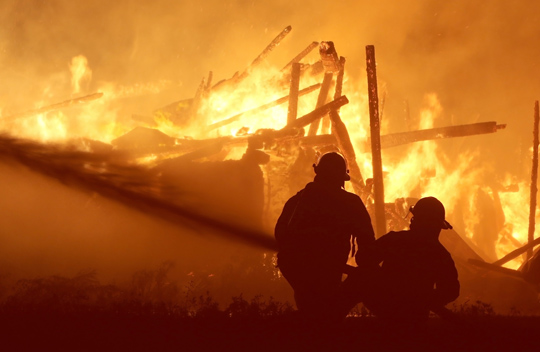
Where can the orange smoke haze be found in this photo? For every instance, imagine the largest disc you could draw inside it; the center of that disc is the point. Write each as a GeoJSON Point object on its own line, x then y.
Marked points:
{"type": "Point", "coordinates": [454, 63]}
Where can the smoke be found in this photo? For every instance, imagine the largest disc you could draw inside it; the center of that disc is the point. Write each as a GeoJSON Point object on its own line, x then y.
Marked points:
{"type": "Point", "coordinates": [50, 227]}
{"type": "Point", "coordinates": [479, 58]}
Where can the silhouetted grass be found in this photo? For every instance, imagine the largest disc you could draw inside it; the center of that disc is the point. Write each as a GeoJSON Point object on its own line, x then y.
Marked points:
{"type": "Point", "coordinates": [153, 313]}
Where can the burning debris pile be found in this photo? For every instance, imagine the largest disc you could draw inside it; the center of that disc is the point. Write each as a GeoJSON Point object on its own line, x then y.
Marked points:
{"type": "Point", "coordinates": [228, 157]}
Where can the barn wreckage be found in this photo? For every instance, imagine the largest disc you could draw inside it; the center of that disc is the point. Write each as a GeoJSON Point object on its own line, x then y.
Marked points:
{"type": "Point", "coordinates": [151, 170]}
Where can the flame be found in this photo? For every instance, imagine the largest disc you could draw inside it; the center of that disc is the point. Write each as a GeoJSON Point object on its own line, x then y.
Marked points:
{"type": "Point", "coordinates": [80, 72]}
{"type": "Point", "coordinates": [262, 86]}
{"type": "Point", "coordinates": [425, 170]}
{"type": "Point", "coordinates": [516, 211]}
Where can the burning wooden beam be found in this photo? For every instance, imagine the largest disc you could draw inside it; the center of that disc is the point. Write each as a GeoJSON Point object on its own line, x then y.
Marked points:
{"type": "Point", "coordinates": [395, 139]}
{"type": "Point", "coordinates": [517, 252]}
{"type": "Point", "coordinates": [325, 128]}
{"type": "Point", "coordinates": [331, 64]}
{"type": "Point", "coordinates": [321, 100]}
{"type": "Point", "coordinates": [534, 180]}
{"type": "Point", "coordinates": [204, 147]}
{"type": "Point", "coordinates": [57, 106]}
{"type": "Point", "coordinates": [339, 78]}
{"type": "Point", "coordinates": [378, 184]}
{"type": "Point", "coordinates": [339, 130]}
{"type": "Point", "coordinates": [301, 55]}
{"type": "Point", "coordinates": [261, 108]}
{"type": "Point", "coordinates": [293, 92]}
{"type": "Point", "coordinates": [497, 268]}
{"type": "Point", "coordinates": [265, 52]}
{"type": "Point", "coordinates": [318, 113]}
{"type": "Point", "coordinates": [329, 57]}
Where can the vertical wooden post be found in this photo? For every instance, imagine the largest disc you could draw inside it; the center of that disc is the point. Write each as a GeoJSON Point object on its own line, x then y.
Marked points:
{"type": "Point", "coordinates": [534, 180]}
{"type": "Point", "coordinates": [339, 130]}
{"type": "Point", "coordinates": [375, 128]}
{"type": "Point", "coordinates": [293, 92]}
{"type": "Point", "coordinates": [321, 100]}
{"type": "Point", "coordinates": [326, 123]}
{"type": "Point", "coordinates": [339, 78]}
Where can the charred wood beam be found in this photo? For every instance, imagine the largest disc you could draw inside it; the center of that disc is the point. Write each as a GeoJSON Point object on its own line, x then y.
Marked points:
{"type": "Point", "coordinates": [205, 147]}
{"type": "Point", "coordinates": [57, 106]}
{"type": "Point", "coordinates": [318, 113]}
{"type": "Point", "coordinates": [325, 128]}
{"type": "Point", "coordinates": [331, 63]}
{"type": "Point", "coordinates": [301, 55]}
{"type": "Point", "coordinates": [321, 100]}
{"type": "Point", "coordinates": [329, 57]}
{"type": "Point", "coordinates": [339, 78]}
{"type": "Point", "coordinates": [493, 267]}
{"type": "Point", "coordinates": [375, 128]}
{"type": "Point", "coordinates": [395, 139]}
{"type": "Point", "coordinates": [517, 252]}
{"type": "Point", "coordinates": [261, 108]}
{"type": "Point", "coordinates": [293, 92]}
{"type": "Point", "coordinates": [534, 180]}
{"type": "Point", "coordinates": [238, 77]}
{"type": "Point", "coordinates": [266, 52]}
{"type": "Point", "coordinates": [339, 130]}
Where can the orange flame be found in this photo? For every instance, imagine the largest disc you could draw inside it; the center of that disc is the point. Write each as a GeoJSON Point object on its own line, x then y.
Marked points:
{"type": "Point", "coordinates": [426, 169]}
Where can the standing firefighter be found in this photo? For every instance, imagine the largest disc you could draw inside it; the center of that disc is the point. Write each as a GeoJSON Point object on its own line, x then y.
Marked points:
{"type": "Point", "coordinates": [314, 233]}
{"type": "Point", "coordinates": [417, 273]}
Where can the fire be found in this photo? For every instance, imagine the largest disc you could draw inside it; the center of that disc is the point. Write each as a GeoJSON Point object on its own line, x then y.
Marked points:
{"type": "Point", "coordinates": [80, 72]}
{"type": "Point", "coordinates": [425, 170]}
{"type": "Point", "coordinates": [516, 212]}
{"type": "Point", "coordinates": [262, 86]}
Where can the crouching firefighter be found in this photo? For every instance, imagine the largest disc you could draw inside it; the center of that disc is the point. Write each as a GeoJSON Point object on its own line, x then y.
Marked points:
{"type": "Point", "coordinates": [313, 235]}
{"type": "Point", "coordinates": [417, 274]}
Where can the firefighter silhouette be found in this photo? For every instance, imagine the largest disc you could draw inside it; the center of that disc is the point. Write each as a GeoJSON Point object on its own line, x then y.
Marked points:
{"type": "Point", "coordinates": [417, 273]}
{"type": "Point", "coordinates": [314, 233]}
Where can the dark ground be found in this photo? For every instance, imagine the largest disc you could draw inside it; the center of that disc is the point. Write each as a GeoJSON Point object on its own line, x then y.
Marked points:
{"type": "Point", "coordinates": [156, 332]}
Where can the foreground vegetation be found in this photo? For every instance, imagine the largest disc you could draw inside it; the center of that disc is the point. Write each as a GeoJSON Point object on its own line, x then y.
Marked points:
{"type": "Point", "coordinates": [153, 314]}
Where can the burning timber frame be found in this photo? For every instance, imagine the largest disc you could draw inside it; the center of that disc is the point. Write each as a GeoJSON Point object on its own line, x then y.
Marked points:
{"type": "Point", "coordinates": [333, 131]}
{"type": "Point", "coordinates": [324, 124]}
{"type": "Point", "coordinates": [528, 248]}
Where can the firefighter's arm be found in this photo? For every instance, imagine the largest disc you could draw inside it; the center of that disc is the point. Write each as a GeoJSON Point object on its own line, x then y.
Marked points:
{"type": "Point", "coordinates": [284, 220]}
{"type": "Point", "coordinates": [447, 284]}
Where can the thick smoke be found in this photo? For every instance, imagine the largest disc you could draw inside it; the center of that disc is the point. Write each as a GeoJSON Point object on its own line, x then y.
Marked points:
{"type": "Point", "coordinates": [479, 58]}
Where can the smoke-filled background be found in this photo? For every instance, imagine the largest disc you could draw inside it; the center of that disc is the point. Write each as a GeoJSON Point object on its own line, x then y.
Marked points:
{"type": "Point", "coordinates": [480, 58]}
